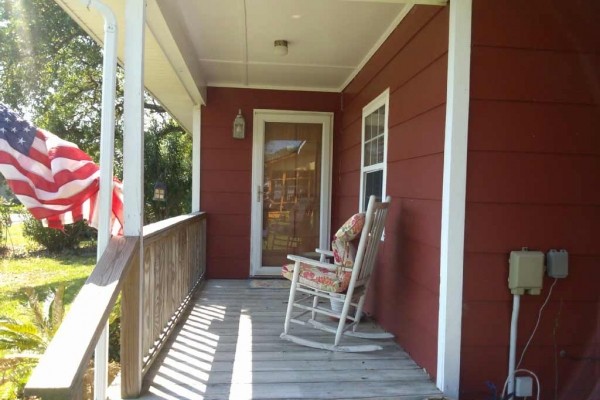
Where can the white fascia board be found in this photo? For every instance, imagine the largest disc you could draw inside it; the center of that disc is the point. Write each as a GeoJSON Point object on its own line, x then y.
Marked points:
{"type": "Point", "coordinates": [164, 21]}
{"type": "Point", "coordinates": [176, 47]}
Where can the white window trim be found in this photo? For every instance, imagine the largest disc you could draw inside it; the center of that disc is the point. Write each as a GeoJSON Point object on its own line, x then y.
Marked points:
{"type": "Point", "coordinates": [382, 99]}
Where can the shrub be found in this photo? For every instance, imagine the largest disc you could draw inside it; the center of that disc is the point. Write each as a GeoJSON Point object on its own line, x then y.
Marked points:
{"type": "Point", "coordinates": [55, 240]}
{"type": "Point", "coordinates": [4, 221]}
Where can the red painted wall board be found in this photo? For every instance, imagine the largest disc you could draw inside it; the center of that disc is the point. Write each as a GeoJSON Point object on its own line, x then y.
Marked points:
{"type": "Point", "coordinates": [410, 26]}
{"type": "Point", "coordinates": [496, 125]}
{"type": "Point", "coordinates": [222, 245]}
{"type": "Point", "coordinates": [537, 24]}
{"type": "Point", "coordinates": [423, 93]}
{"type": "Point", "coordinates": [352, 135]}
{"type": "Point", "coordinates": [419, 136]}
{"type": "Point", "coordinates": [228, 267]}
{"type": "Point", "coordinates": [349, 160]}
{"type": "Point", "coordinates": [347, 205]}
{"type": "Point", "coordinates": [412, 63]}
{"type": "Point", "coordinates": [576, 379]}
{"type": "Point", "coordinates": [236, 227]}
{"type": "Point", "coordinates": [500, 228]}
{"type": "Point", "coordinates": [349, 185]}
{"type": "Point", "coordinates": [482, 321]}
{"type": "Point", "coordinates": [420, 177]}
{"type": "Point", "coordinates": [532, 180]}
{"type": "Point", "coordinates": [224, 181]}
{"type": "Point", "coordinates": [421, 262]}
{"type": "Point", "coordinates": [219, 136]}
{"type": "Point", "coordinates": [579, 286]}
{"type": "Point", "coordinates": [420, 221]}
{"type": "Point", "coordinates": [485, 277]}
{"type": "Point", "coordinates": [226, 159]}
{"type": "Point", "coordinates": [405, 316]}
{"type": "Point", "coordinates": [427, 46]}
{"type": "Point", "coordinates": [480, 365]}
{"type": "Point", "coordinates": [524, 75]}
{"type": "Point", "coordinates": [228, 203]}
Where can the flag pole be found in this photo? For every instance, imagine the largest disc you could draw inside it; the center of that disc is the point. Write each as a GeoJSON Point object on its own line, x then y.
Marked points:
{"type": "Point", "coordinates": [107, 135]}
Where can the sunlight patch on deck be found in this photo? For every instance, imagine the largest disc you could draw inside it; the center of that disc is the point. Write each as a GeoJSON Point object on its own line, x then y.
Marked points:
{"type": "Point", "coordinates": [242, 364]}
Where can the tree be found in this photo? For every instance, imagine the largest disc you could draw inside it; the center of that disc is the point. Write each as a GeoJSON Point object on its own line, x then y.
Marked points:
{"type": "Point", "coordinates": [168, 160]}
{"type": "Point", "coordinates": [51, 70]}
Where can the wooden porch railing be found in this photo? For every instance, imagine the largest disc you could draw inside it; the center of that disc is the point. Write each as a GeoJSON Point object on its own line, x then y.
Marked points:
{"type": "Point", "coordinates": [174, 254]}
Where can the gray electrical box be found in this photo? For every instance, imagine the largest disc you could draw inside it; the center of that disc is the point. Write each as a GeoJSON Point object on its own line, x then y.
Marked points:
{"type": "Point", "coordinates": [526, 272]}
{"type": "Point", "coordinates": [557, 262]}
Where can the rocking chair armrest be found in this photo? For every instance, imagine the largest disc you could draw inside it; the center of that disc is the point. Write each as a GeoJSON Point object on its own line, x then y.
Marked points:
{"type": "Point", "coordinates": [314, 263]}
{"type": "Point", "coordinates": [327, 253]}
{"type": "Point", "coordinates": [324, 254]}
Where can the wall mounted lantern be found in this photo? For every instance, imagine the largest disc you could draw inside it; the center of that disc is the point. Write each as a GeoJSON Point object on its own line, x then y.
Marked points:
{"type": "Point", "coordinates": [239, 126]}
{"type": "Point", "coordinates": [160, 191]}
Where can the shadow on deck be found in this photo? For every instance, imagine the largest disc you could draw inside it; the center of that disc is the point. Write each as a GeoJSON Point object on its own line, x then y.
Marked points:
{"type": "Point", "coordinates": [228, 347]}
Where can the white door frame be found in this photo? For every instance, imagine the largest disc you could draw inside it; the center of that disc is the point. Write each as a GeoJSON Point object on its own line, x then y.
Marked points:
{"type": "Point", "coordinates": [309, 117]}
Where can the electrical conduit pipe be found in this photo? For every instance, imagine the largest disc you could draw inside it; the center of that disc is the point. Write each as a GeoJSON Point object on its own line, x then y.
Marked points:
{"type": "Point", "coordinates": [512, 352]}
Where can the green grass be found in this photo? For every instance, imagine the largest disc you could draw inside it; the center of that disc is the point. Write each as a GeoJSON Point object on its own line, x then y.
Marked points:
{"type": "Point", "coordinates": [26, 266]}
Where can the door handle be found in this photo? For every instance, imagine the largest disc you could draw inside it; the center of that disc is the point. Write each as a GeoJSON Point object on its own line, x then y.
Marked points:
{"type": "Point", "coordinates": [259, 193]}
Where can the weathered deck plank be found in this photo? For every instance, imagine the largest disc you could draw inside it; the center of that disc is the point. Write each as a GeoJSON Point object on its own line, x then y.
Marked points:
{"type": "Point", "coordinates": [229, 348]}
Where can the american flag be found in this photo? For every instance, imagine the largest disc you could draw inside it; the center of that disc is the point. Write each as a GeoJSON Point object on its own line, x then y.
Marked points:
{"type": "Point", "coordinates": [53, 178]}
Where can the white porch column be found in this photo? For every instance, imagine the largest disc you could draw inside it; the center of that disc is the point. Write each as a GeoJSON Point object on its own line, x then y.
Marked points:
{"type": "Point", "coordinates": [453, 198]}
{"type": "Point", "coordinates": [196, 136]}
{"type": "Point", "coordinates": [133, 193]}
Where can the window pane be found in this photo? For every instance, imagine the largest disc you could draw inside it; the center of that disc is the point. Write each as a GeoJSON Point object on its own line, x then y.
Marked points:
{"type": "Point", "coordinates": [291, 192]}
{"type": "Point", "coordinates": [367, 153]}
{"type": "Point", "coordinates": [373, 152]}
{"type": "Point", "coordinates": [381, 115]}
{"type": "Point", "coordinates": [368, 126]}
{"type": "Point", "coordinates": [373, 185]}
{"type": "Point", "coordinates": [380, 149]}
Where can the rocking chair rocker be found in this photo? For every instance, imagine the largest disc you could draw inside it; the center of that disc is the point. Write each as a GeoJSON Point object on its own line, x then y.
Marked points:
{"type": "Point", "coordinates": [345, 281]}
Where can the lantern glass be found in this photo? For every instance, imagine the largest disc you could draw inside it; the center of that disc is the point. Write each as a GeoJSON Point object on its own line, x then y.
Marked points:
{"type": "Point", "coordinates": [239, 126]}
{"type": "Point", "coordinates": [160, 190]}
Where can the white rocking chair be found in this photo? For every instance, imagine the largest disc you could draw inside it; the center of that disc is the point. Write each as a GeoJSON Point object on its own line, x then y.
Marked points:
{"type": "Point", "coordinates": [313, 280]}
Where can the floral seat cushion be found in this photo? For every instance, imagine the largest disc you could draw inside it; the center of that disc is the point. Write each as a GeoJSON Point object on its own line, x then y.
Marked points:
{"type": "Point", "coordinates": [344, 253]}
{"type": "Point", "coordinates": [351, 228]}
{"type": "Point", "coordinates": [319, 278]}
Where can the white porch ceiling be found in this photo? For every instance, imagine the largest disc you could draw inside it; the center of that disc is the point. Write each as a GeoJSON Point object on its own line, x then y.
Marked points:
{"type": "Point", "coordinates": [192, 44]}
{"type": "Point", "coordinates": [328, 39]}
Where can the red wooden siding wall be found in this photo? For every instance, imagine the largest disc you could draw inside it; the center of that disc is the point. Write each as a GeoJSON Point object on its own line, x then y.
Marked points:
{"type": "Point", "coordinates": [412, 63]}
{"type": "Point", "coordinates": [533, 180]}
{"type": "Point", "coordinates": [226, 173]}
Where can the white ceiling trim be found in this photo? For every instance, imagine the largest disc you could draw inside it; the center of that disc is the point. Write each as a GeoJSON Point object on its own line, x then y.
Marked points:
{"type": "Point", "coordinates": [237, 62]}
{"type": "Point", "coordinates": [245, 49]}
{"type": "Point", "coordinates": [422, 2]}
{"type": "Point", "coordinates": [274, 87]}
{"type": "Point", "coordinates": [405, 10]}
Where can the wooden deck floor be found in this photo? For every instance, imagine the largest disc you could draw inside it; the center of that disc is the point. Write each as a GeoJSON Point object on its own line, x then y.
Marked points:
{"type": "Point", "coordinates": [229, 348]}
